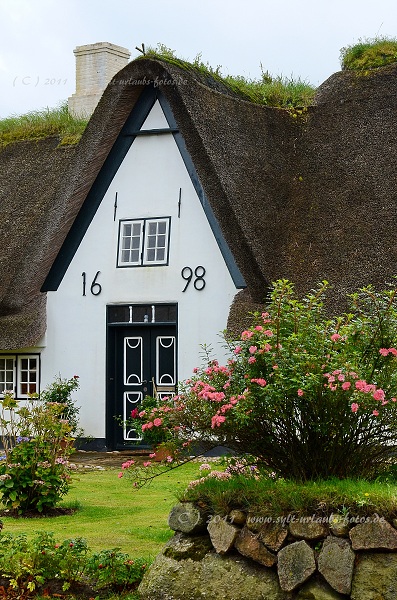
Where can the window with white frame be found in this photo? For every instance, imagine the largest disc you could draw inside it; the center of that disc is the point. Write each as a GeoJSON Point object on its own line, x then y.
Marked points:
{"type": "Point", "coordinates": [19, 374]}
{"type": "Point", "coordinates": [143, 242]}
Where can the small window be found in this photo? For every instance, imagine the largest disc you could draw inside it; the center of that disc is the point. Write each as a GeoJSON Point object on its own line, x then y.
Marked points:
{"type": "Point", "coordinates": [7, 374]}
{"type": "Point", "coordinates": [143, 242]}
{"type": "Point", "coordinates": [27, 375]}
{"type": "Point", "coordinates": [19, 374]}
{"type": "Point", "coordinates": [130, 245]}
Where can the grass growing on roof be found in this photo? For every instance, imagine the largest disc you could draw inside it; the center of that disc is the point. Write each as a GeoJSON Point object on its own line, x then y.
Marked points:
{"type": "Point", "coordinates": [276, 91]}
{"type": "Point", "coordinates": [369, 53]}
{"type": "Point", "coordinates": [40, 124]}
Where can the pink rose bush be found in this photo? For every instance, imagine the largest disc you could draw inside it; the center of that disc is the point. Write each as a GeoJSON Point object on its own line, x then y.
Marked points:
{"type": "Point", "coordinates": [307, 395]}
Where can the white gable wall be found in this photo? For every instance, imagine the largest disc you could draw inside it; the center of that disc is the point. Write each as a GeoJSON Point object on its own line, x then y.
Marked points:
{"type": "Point", "coordinates": [147, 184]}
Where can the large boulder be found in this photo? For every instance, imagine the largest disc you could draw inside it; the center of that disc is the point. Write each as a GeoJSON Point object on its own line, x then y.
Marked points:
{"type": "Point", "coordinates": [215, 577]}
{"type": "Point", "coordinates": [375, 577]}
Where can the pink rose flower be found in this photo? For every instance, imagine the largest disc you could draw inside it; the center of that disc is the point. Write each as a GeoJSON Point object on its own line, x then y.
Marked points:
{"type": "Point", "coordinates": [335, 337]}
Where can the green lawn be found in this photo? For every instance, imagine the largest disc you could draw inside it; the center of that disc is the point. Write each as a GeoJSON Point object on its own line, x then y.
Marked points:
{"type": "Point", "coordinates": [112, 514]}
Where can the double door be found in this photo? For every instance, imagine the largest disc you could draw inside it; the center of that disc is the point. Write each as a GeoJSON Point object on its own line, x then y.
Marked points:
{"type": "Point", "coordinates": [141, 361]}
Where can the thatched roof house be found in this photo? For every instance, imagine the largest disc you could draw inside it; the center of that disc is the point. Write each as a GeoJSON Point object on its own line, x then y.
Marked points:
{"type": "Point", "coordinates": [305, 198]}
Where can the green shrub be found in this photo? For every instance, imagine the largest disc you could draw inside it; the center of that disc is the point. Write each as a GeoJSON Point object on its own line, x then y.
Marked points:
{"type": "Point", "coordinates": [310, 397]}
{"type": "Point", "coordinates": [60, 392]}
{"type": "Point", "coordinates": [31, 564]}
{"type": "Point", "coordinates": [369, 54]}
{"type": "Point", "coordinates": [112, 568]}
{"type": "Point", "coordinates": [34, 473]}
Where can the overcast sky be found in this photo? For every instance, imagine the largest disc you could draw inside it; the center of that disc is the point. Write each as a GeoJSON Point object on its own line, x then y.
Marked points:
{"type": "Point", "coordinates": [299, 38]}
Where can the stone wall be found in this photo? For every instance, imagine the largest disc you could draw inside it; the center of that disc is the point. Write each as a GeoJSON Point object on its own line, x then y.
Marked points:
{"type": "Point", "coordinates": [250, 557]}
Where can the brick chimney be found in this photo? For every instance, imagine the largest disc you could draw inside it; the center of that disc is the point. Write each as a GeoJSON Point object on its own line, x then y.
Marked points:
{"type": "Point", "coordinates": [96, 64]}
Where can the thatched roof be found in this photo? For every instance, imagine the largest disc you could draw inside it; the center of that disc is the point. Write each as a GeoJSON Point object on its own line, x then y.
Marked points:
{"type": "Point", "coordinates": [30, 211]}
{"type": "Point", "coordinates": [307, 198]}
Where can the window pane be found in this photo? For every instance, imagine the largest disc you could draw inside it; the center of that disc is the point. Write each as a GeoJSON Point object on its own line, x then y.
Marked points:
{"type": "Point", "coordinates": [151, 242]}
{"type": "Point", "coordinates": [134, 256]}
{"type": "Point", "coordinates": [151, 255]}
{"type": "Point", "coordinates": [162, 227]}
{"type": "Point", "coordinates": [152, 228]}
{"type": "Point", "coordinates": [127, 230]}
{"type": "Point", "coordinates": [137, 227]}
{"type": "Point", "coordinates": [160, 254]}
{"type": "Point", "coordinates": [161, 241]}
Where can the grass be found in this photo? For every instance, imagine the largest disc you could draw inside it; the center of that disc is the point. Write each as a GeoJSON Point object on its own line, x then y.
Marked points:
{"type": "Point", "coordinates": [276, 91]}
{"type": "Point", "coordinates": [112, 514]}
{"type": "Point", "coordinates": [370, 53]}
{"type": "Point", "coordinates": [40, 124]}
{"type": "Point", "coordinates": [276, 498]}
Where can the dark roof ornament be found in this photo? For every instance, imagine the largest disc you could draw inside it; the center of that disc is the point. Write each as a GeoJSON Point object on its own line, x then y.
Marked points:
{"type": "Point", "coordinates": [141, 50]}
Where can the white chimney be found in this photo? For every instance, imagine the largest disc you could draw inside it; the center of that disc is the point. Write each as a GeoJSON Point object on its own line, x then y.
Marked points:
{"type": "Point", "coordinates": [96, 64]}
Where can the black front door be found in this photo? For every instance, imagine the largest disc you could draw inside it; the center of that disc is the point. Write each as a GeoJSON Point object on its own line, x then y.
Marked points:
{"type": "Point", "coordinates": [141, 361]}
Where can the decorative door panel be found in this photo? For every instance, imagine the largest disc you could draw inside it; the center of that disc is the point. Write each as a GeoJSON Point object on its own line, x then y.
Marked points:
{"type": "Point", "coordinates": [165, 361]}
{"type": "Point", "coordinates": [133, 360]}
{"type": "Point", "coordinates": [142, 361]}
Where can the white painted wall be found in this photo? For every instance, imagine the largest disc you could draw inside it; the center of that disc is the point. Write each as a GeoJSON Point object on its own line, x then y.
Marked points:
{"type": "Point", "coordinates": [147, 184]}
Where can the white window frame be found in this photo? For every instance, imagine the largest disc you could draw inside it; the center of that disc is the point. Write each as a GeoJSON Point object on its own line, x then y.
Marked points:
{"type": "Point", "coordinates": [145, 235]}
{"type": "Point", "coordinates": [18, 384]}
{"type": "Point", "coordinates": [122, 237]}
{"type": "Point", "coordinates": [8, 387]}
